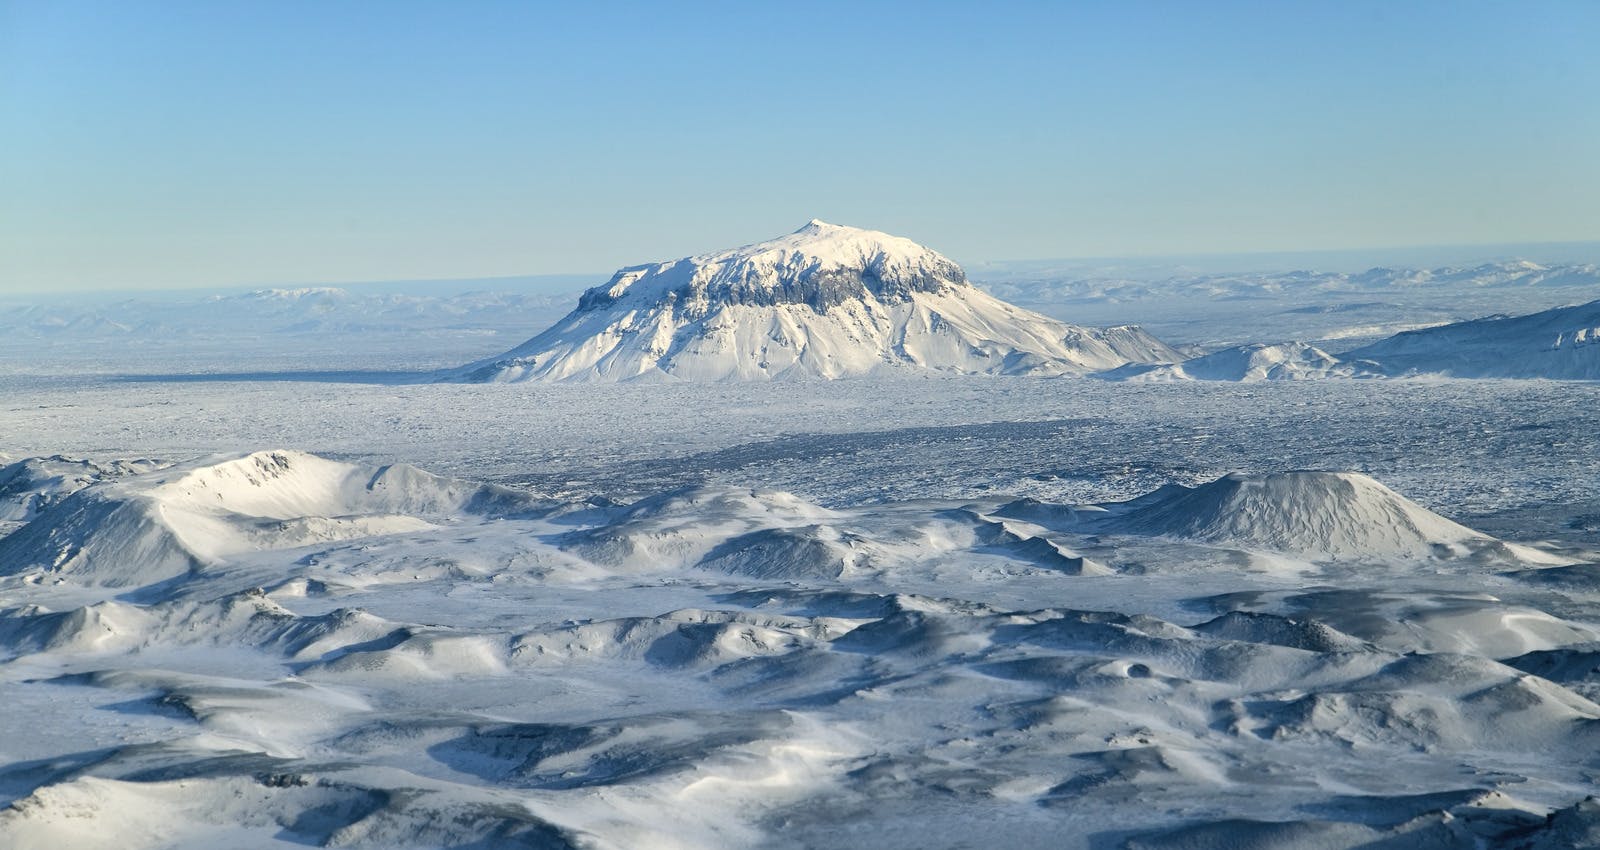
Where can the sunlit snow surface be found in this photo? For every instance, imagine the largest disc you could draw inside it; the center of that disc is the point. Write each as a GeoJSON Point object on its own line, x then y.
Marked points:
{"type": "Point", "coordinates": [888, 613]}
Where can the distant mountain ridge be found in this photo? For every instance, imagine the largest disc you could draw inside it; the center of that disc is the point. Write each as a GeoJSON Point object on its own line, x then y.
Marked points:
{"type": "Point", "coordinates": [826, 301]}
{"type": "Point", "coordinates": [1557, 344]}
{"type": "Point", "coordinates": [1072, 285]}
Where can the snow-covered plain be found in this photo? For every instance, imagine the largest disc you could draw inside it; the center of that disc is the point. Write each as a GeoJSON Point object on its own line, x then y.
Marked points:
{"type": "Point", "coordinates": [916, 612]}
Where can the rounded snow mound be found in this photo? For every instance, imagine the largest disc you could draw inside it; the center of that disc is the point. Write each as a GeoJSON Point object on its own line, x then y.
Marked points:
{"type": "Point", "coordinates": [248, 618]}
{"type": "Point", "coordinates": [730, 527]}
{"type": "Point", "coordinates": [808, 552]}
{"type": "Point", "coordinates": [1428, 702]}
{"type": "Point", "coordinates": [1284, 361]}
{"type": "Point", "coordinates": [679, 639]}
{"type": "Point", "coordinates": [290, 485]}
{"type": "Point", "coordinates": [1316, 514]}
{"type": "Point", "coordinates": [145, 528]}
{"type": "Point", "coordinates": [1254, 627]}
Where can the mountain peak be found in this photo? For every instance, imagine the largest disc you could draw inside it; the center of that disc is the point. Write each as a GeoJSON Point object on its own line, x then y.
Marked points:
{"type": "Point", "coordinates": [821, 265]}
{"type": "Point", "coordinates": [839, 244]}
{"type": "Point", "coordinates": [824, 301]}
{"type": "Point", "coordinates": [819, 228]}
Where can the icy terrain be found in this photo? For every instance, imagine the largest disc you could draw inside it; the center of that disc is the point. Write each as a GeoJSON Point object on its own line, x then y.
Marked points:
{"type": "Point", "coordinates": [277, 647]}
{"type": "Point", "coordinates": [287, 600]}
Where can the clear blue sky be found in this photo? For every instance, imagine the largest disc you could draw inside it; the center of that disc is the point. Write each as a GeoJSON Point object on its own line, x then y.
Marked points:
{"type": "Point", "coordinates": [164, 144]}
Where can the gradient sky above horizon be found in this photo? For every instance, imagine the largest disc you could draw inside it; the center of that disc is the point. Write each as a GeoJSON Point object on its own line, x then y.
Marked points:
{"type": "Point", "coordinates": [173, 144]}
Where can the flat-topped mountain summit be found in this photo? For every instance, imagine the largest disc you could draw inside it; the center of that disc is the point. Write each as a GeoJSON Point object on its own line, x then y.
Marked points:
{"type": "Point", "coordinates": [825, 301]}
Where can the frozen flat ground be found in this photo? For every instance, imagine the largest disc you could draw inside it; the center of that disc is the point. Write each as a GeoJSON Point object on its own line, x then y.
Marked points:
{"type": "Point", "coordinates": [1514, 457]}
{"type": "Point", "coordinates": [855, 613]}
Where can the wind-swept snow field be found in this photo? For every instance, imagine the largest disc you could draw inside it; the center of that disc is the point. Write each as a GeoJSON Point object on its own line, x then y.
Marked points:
{"type": "Point", "coordinates": [968, 596]}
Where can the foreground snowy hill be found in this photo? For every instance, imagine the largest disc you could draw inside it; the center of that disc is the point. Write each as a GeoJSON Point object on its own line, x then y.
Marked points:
{"type": "Point", "coordinates": [278, 649]}
{"type": "Point", "coordinates": [132, 525]}
{"type": "Point", "coordinates": [823, 302]}
{"type": "Point", "coordinates": [1313, 514]}
{"type": "Point", "coordinates": [148, 526]}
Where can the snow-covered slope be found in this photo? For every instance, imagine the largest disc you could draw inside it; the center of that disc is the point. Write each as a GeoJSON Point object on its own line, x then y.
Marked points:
{"type": "Point", "coordinates": [1287, 361]}
{"type": "Point", "coordinates": [33, 484]}
{"type": "Point", "coordinates": [1519, 273]}
{"type": "Point", "coordinates": [823, 302]}
{"type": "Point", "coordinates": [140, 529]}
{"type": "Point", "coordinates": [1559, 344]}
{"type": "Point", "coordinates": [1320, 515]}
{"type": "Point", "coordinates": [726, 667]}
{"type": "Point", "coordinates": [1313, 513]}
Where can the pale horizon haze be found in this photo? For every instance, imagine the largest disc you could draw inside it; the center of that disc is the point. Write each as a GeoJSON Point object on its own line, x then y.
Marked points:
{"type": "Point", "coordinates": [186, 144]}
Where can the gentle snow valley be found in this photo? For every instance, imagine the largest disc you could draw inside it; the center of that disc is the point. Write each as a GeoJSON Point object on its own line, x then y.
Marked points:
{"type": "Point", "coordinates": [264, 584]}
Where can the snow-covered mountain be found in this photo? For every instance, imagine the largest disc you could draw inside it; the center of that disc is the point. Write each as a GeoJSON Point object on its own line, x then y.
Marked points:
{"type": "Point", "coordinates": [823, 302]}
{"type": "Point", "coordinates": [1503, 273]}
{"type": "Point", "coordinates": [1330, 514]}
{"type": "Point", "coordinates": [1557, 344]}
{"type": "Point", "coordinates": [1561, 344]}
{"type": "Point", "coordinates": [137, 527]}
{"type": "Point", "coordinates": [1284, 361]}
